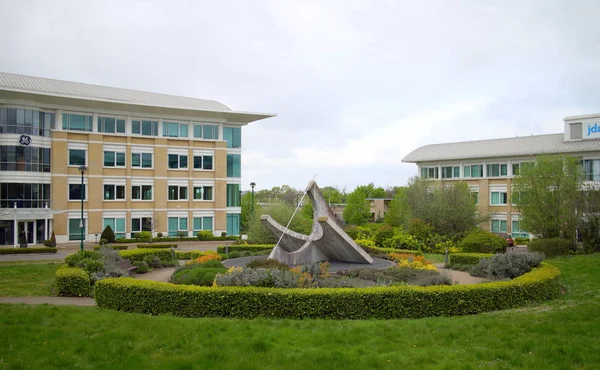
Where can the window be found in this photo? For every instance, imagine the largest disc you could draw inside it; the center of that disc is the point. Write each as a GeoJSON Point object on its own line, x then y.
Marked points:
{"type": "Point", "coordinates": [203, 193]}
{"type": "Point", "coordinates": [206, 131]}
{"type": "Point", "coordinates": [591, 169]}
{"type": "Point", "coordinates": [76, 157]}
{"type": "Point", "coordinates": [516, 167]}
{"type": "Point", "coordinates": [175, 129]}
{"type": "Point", "coordinates": [233, 135]}
{"type": "Point", "coordinates": [114, 192]}
{"type": "Point", "coordinates": [517, 232]}
{"type": "Point", "coordinates": [141, 192]}
{"type": "Point", "coordinates": [117, 225]}
{"type": "Point", "coordinates": [449, 172]}
{"type": "Point", "coordinates": [234, 165]}
{"type": "Point", "coordinates": [146, 128]}
{"type": "Point", "coordinates": [203, 223]}
{"type": "Point", "coordinates": [233, 195]}
{"type": "Point", "coordinates": [75, 192]}
{"type": "Point", "coordinates": [141, 224]}
{"type": "Point", "coordinates": [75, 228]}
{"type": "Point", "coordinates": [203, 162]}
{"type": "Point", "coordinates": [29, 122]}
{"type": "Point", "coordinates": [25, 195]}
{"type": "Point", "coordinates": [576, 131]}
{"type": "Point", "coordinates": [177, 224]}
{"type": "Point", "coordinates": [498, 198]}
{"type": "Point", "coordinates": [475, 170]}
{"type": "Point", "coordinates": [141, 160]}
{"type": "Point", "coordinates": [496, 170]}
{"type": "Point", "coordinates": [499, 226]}
{"type": "Point", "coordinates": [111, 125]}
{"type": "Point", "coordinates": [77, 122]}
{"type": "Point", "coordinates": [233, 224]}
{"type": "Point", "coordinates": [475, 196]}
{"type": "Point", "coordinates": [178, 161]}
{"type": "Point", "coordinates": [114, 159]}
{"type": "Point", "coordinates": [178, 192]}
{"type": "Point", "coordinates": [429, 172]}
{"type": "Point", "coordinates": [24, 158]}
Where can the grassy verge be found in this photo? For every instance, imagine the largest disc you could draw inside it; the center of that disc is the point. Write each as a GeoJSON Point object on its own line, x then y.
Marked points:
{"type": "Point", "coordinates": [32, 262]}
{"type": "Point", "coordinates": [556, 335]}
{"type": "Point", "coordinates": [434, 258]}
{"type": "Point", "coordinates": [26, 280]}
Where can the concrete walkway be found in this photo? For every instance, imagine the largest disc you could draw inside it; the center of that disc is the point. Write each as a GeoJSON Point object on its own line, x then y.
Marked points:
{"type": "Point", "coordinates": [459, 277]}
{"type": "Point", "coordinates": [59, 301]}
{"type": "Point", "coordinates": [156, 275]}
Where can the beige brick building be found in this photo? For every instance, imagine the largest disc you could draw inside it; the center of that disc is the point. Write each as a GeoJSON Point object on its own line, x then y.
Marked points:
{"type": "Point", "coordinates": [152, 162]}
{"type": "Point", "coordinates": [489, 166]}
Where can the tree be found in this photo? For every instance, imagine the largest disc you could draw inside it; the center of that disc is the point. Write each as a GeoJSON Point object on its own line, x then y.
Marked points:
{"type": "Point", "coordinates": [370, 191]}
{"type": "Point", "coordinates": [356, 211]}
{"type": "Point", "coordinates": [548, 196]}
{"type": "Point", "coordinates": [398, 213]}
{"type": "Point", "coordinates": [247, 210]}
{"type": "Point", "coordinates": [108, 234]}
{"type": "Point", "coordinates": [332, 195]}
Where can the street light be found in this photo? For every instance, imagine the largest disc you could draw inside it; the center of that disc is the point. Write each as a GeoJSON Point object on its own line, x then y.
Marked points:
{"type": "Point", "coordinates": [82, 170]}
{"type": "Point", "coordinates": [252, 184]}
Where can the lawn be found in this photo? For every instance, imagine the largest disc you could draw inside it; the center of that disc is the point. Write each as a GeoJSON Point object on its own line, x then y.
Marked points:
{"type": "Point", "coordinates": [37, 281]}
{"type": "Point", "coordinates": [556, 335]}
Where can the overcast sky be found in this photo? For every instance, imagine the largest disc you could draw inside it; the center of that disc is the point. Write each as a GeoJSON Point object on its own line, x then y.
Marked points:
{"type": "Point", "coordinates": [356, 85]}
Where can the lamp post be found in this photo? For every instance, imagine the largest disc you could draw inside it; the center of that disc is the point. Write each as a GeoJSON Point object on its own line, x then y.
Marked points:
{"type": "Point", "coordinates": [252, 184]}
{"type": "Point", "coordinates": [81, 225]}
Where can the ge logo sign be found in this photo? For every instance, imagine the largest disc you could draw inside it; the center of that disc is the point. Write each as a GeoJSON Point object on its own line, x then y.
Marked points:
{"type": "Point", "coordinates": [25, 140]}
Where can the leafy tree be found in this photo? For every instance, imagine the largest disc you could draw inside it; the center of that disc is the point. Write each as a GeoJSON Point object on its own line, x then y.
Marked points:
{"type": "Point", "coordinates": [370, 191]}
{"type": "Point", "coordinates": [247, 209]}
{"type": "Point", "coordinates": [398, 212]}
{"type": "Point", "coordinates": [333, 195]}
{"type": "Point", "coordinates": [356, 211]}
{"type": "Point", "coordinates": [548, 196]}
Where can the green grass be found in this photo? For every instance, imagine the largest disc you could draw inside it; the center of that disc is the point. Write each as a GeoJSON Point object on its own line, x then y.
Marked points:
{"type": "Point", "coordinates": [560, 334]}
{"type": "Point", "coordinates": [40, 262]}
{"type": "Point", "coordinates": [434, 258]}
{"type": "Point", "coordinates": [26, 280]}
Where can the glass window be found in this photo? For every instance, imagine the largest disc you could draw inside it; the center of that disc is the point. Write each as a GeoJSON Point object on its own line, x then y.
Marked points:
{"type": "Point", "coordinates": [141, 224]}
{"type": "Point", "coordinates": [114, 192]}
{"type": "Point", "coordinates": [141, 192]}
{"type": "Point", "coordinates": [498, 198]}
{"type": "Point", "coordinates": [75, 192]}
{"type": "Point", "coordinates": [177, 192]}
{"type": "Point", "coordinates": [591, 169]}
{"type": "Point", "coordinates": [499, 226]}
{"type": "Point", "coordinates": [146, 128]}
{"type": "Point", "coordinates": [203, 223]}
{"type": "Point", "coordinates": [175, 129]}
{"type": "Point", "coordinates": [467, 171]}
{"type": "Point", "coordinates": [233, 224]}
{"type": "Point", "coordinates": [203, 162]}
{"type": "Point", "coordinates": [456, 172]}
{"type": "Point", "coordinates": [233, 136]}
{"type": "Point", "coordinates": [114, 159]}
{"type": "Point", "coordinates": [30, 122]}
{"type": "Point", "coordinates": [203, 193]}
{"type": "Point", "coordinates": [117, 225]}
{"type": "Point", "coordinates": [449, 172]}
{"type": "Point", "coordinates": [197, 131]}
{"type": "Point", "coordinates": [143, 160]}
{"type": "Point", "coordinates": [517, 232]}
{"type": "Point", "coordinates": [177, 161]}
{"type": "Point", "coordinates": [210, 132]}
{"type": "Point", "coordinates": [77, 122]}
{"type": "Point", "coordinates": [429, 172]}
{"type": "Point", "coordinates": [496, 170]}
{"type": "Point", "coordinates": [19, 158]}
{"type": "Point", "coordinates": [24, 195]}
{"type": "Point", "coordinates": [233, 195]}
{"type": "Point", "coordinates": [197, 223]}
{"type": "Point", "coordinates": [76, 157]}
{"type": "Point", "coordinates": [75, 228]}
{"type": "Point", "coordinates": [234, 165]}
{"type": "Point", "coordinates": [136, 160]}
{"type": "Point", "coordinates": [176, 225]}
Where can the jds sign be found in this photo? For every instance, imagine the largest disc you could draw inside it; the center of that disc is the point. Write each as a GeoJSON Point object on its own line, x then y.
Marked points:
{"type": "Point", "coordinates": [591, 130]}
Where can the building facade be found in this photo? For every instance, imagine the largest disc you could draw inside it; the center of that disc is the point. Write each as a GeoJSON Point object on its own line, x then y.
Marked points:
{"type": "Point", "coordinates": [489, 166]}
{"type": "Point", "coordinates": [151, 162]}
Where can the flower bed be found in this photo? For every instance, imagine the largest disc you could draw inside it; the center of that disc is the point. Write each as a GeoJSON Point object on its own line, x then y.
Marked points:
{"type": "Point", "coordinates": [27, 250]}
{"type": "Point", "coordinates": [467, 258]}
{"type": "Point", "coordinates": [156, 246]}
{"type": "Point", "coordinates": [158, 298]}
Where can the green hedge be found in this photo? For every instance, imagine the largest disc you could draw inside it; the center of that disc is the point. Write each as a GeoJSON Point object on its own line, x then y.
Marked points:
{"type": "Point", "coordinates": [72, 282]}
{"type": "Point", "coordinates": [114, 247]}
{"type": "Point", "coordinates": [176, 239]}
{"type": "Point", "coordinates": [27, 250]}
{"type": "Point", "coordinates": [189, 255]}
{"type": "Point", "coordinates": [156, 298]}
{"type": "Point", "coordinates": [467, 258]}
{"type": "Point", "coordinates": [152, 246]}
{"type": "Point", "coordinates": [245, 248]}
{"type": "Point", "coordinates": [136, 255]}
{"type": "Point", "coordinates": [377, 250]}
{"type": "Point", "coordinates": [551, 246]}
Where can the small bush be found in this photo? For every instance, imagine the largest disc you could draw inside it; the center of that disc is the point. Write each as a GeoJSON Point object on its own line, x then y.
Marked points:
{"type": "Point", "coordinates": [53, 240]}
{"type": "Point", "coordinates": [108, 234]}
{"type": "Point", "coordinates": [90, 265]}
{"type": "Point", "coordinates": [189, 255]}
{"type": "Point", "coordinates": [522, 241]}
{"type": "Point", "coordinates": [507, 265]}
{"type": "Point", "coordinates": [205, 235]}
{"type": "Point", "coordinates": [159, 235]}
{"type": "Point", "coordinates": [551, 246]}
{"type": "Point", "coordinates": [156, 246]}
{"type": "Point", "coordinates": [72, 282]}
{"type": "Point", "coordinates": [172, 263]}
{"type": "Point", "coordinates": [73, 259]}
{"type": "Point", "coordinates": [206, 256]}
{"type": "Point", "coordinates": [142, 267]}
{"type": "Point", "coordinates": [153, 261]}
{"type": "Point", "coordinates": [384, 233]}
{"type": "Point", "coordinates": [140, 254]}
{"type": "Point", "coordinates": [200, 275]}
{"type": "Point", "coordinates": [244, 247]}
{"type": "Point", "coordinates": [223, 233]}
{"type": "Point", "coordinates": [213, 264]}
{"type": "Point", "coordinates": [145, 235]}
{"type": "Point", "coordinates": [26, 250]}
{"type": "Point", "coordinates": [481, 241]}
{"type": "Point", "coordinates": [466, 258]}
{"type": "Point", "coordinates": [182, 234]}
{"type": "Point", "coordinates": [267, 264]}
{"type": "Point", "coordinates": [384, 251]}
{"type": "Point", "coordinates": [235, 254]}
{"type": "Point", "coordinates": [245, 254]}
{"type": "Point", "coordinates": [48, 243]}
{"type": "Point", "coordinates": [403, 241]}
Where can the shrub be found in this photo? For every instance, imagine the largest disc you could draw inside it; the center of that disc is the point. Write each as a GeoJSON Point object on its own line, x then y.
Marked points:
{"type": "Point", "coordinates": [190, 255]}
{"type": "Point", "coordinates": [365, 242]}
{"type": "Point", "coordinates": [73, 259]}
{"type": "Point", "coordinates": [403, 241]}
{"type": "Point", "coordinates": [551, 246]}
{"type": "Point", "coordinates": [113, 247]}
{"type": "Point", "coordinates": [172, 263]}
{"type": "Point", "coordinates": [112, 262]}
{"type": "Point", "coordinates": [235, 254]}
{"type": "Point", "coordinates": [140, 254]}
{"type": "Point", "coordinates": [145, 235]}
{"type": "Point", "coordinates": [90, 265]}
{"type": "Point", "coordinates": [267, 264]}
{"type": "Point", "coordinates": [212, 263]}
{"type": "Point", "coordinates": [53, 240]}
{"type": "Point", "coordinates": [156, 298]}
{"type": "Point", "coordinates": [507, 265]}
{"type": "Point", "coordinates": [156, 246]}
{"type": "Point", "coordinates": [153, 261]}
{"type": "Point", "coordinates": [26, 250]}
{"type": "Point", "coordinates": [411, 261]}
{"type": "Point", "coordinates": [380, 251]}
{"type": "Point", "coordinates": [108, 234]}
{"type": "Point", "coordinates": [159, 235]}
{"type": "Point", "coordinates": [419, 229]}
{"type": "Point", "coordinates": [467, 258]}
{"type": "Point", "coordinates": [203, 276]}
{"type": "Point", "coordinates": [223, 233]}
{"type": "Point", "coordinates": [243, 247]}
{"type": "Point", "coordinates": [522, 241]}
{"type": "Point", "coordinates": [48, 243]}
{"type": "Point", "coordinates": [142, 267]}
{"type": "Point", "coordinates": [72, 282]}
{"type": "Point", "coordinates": [103, 242]}
{"type": "Point", "coordinates": [207, 256]}
{"type": "Point", "coordinates": [481, 241]}
{"type": "Point", "coordinates": [205, 235]}
{"type": "Point", "coordinates": [383, 234]}
{"type": "Point", "coordinates": [260, 277]}
{"type": "Point", "coordinates": [182, 234]}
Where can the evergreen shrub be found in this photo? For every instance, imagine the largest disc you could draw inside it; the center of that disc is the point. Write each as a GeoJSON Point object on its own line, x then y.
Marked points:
{"type": "Point", "coordinates": [551, 246]}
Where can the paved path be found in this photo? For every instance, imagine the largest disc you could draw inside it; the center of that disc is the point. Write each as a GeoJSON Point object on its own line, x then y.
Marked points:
{"type": "Point", "coordinates": [459, 277]}
{"type": "Point", "coordinates": [156, 275]}
{"type": "Point", "coordinates": [60, 301]}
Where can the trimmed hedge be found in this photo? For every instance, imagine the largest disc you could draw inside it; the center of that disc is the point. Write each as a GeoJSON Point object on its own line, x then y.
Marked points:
{"type": "Point", "coordinates": [467, 258]}
{"type": "Point", "coordinates": [136, 255]}
{"type": "Point", "coordinates": [27, 250]}
{"type": "Point", "coordinates": [72, 282]}
{"type": "Point", "coordinates": [152, 246]}
{"type": "Point", "coordinates": [176, 239]}
{"type": "Point", "coordinates": [551, 246]}
{"type": "Point", "coordinates": [245, 247]}
{"type": "Point", "coordinates": [377, 250]}
{"type": "Point", "coordinates": [156, 298]}
{"type": "Point", "coordinates": [481, 241]}
{"type": "Point", "coordinates": [189, 255]}
{"type": "Point", "coordinates": [114, 247]}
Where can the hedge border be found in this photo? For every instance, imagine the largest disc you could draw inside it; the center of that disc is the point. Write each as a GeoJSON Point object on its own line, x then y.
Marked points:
{"type": "Point", "coordinates": [27, 250]}
{"type": "Point", "coordinates": [156, 246]}
{"type": "Point", "coordinates": [391, 250]}
{"type": "Point", "coordinates": [176, 239]}
{"type": "Point", "coordinates": [467, 258]}
{"type": "Point", "coordinates": [72, 282]}
{"type": "Point", "coordinates": [135, 255]}
{"type": "Point", "coordinates": [156, 298]}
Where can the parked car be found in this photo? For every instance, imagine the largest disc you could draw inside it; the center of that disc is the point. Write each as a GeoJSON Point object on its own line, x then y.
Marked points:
{"type": "Point", "coordinates": [509, 240]}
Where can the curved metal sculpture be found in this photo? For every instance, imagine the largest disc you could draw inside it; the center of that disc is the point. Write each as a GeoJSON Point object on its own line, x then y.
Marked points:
{"type": "Point", "coordinates": [326, 242]}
